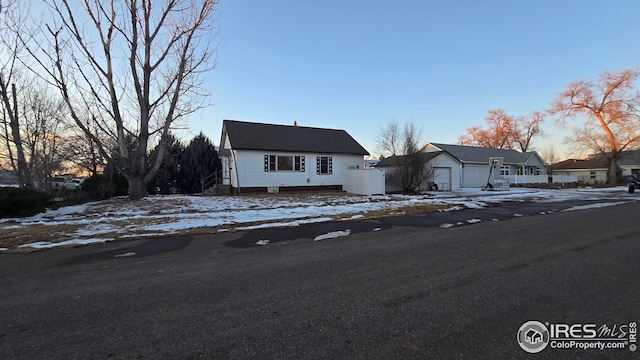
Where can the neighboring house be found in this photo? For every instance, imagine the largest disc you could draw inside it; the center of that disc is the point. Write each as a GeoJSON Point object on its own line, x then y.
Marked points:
{"type": "Point", "coordinates": [8, 179]}
{"type": "Point", "coordinates": [517, 167]}
{"type": "Point", "coordinates": [259, 157]}
{"type": "Point", "coordinates": [629, 163]}
{"type": "Point", "coordinates": [446, 170]}
{"type": "Point", "coordinates": [595, 169]}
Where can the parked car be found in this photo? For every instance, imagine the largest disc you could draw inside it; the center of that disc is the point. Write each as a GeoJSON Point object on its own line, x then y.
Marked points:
{"type": "Point", "coordinates": [59, 182]}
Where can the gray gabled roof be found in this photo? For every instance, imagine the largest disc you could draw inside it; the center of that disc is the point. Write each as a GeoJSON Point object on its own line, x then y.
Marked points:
{"type": "Point", "coordinates": [269, 137]}
{"type": "Point", "coordinates": [585, 164]}
{"type": "Point", "coordinates": [481, 155]}
{"type": "Point", "coordinates": [631, 157]}
{"type": "Point", "coordinates": [394, 160]}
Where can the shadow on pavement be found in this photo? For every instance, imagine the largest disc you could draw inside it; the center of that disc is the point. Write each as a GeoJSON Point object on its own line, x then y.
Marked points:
{"type": "Point", "coordinates": [309, 231]}
{"type": "Point", "coordinates": [151, 247]}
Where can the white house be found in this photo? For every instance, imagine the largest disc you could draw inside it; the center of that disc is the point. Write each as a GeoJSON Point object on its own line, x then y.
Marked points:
{"type": "Point", "coordinates": [629, 163]}
{"type": "Point", "coordinates": [259, 157]}
{"type": "Point", "coordinates": [8, 179]}
{"type": "Point", "coordinates": [586, 171]}
{"type": "Point", "coordinates": [446, 170]}
{"type": "Point", "coordinates": [517, 167]}
{"type": "Point", "coordinates": [595, 168]}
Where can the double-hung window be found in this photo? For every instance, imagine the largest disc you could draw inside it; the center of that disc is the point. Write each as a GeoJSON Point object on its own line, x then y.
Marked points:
{"type": "Point", "coordinates": [324, 165]}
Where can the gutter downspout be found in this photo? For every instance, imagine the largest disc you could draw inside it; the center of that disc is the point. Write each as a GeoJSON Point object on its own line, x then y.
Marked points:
{"type": "Point", "coordinates": [235, 165]}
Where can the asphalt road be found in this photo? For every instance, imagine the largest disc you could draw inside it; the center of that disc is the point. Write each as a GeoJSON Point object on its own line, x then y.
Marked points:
{"type": "Point", "coordinates": [409, 289]}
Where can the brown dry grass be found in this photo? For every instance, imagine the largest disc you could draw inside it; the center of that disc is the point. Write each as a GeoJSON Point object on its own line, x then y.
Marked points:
{"type": "Point", "coordinates": [13, 236]}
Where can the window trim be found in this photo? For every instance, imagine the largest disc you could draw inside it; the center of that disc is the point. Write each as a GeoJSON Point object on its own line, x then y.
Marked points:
{"type": "Point", "coordinates": [329, 165]}
{"type": "Point", "coordinates": [271, 163]}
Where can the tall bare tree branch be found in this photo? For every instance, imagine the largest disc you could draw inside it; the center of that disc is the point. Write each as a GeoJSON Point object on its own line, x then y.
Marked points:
{"type": "Point", "coordinates": [136, 66]}
{"type": "Point", "coordinates": [609, 113]}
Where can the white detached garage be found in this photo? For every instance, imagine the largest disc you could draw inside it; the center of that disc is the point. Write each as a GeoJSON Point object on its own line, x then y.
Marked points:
{"type": "Point", "coordinates": [446, 170]}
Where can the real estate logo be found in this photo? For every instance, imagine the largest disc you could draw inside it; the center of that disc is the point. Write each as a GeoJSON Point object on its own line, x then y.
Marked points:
{"type": "Point", "coordinates": [533, 336]}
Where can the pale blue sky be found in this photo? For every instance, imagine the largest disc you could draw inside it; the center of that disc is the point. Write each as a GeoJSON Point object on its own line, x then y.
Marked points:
{"type": "Point", "coordinates": [353, 64]}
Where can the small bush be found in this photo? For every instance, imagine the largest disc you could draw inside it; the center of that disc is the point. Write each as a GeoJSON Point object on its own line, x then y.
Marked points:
{"type": "Point", "coordinates": [16, 202]}
{"type": "Point", "coordinates": [98, 187]}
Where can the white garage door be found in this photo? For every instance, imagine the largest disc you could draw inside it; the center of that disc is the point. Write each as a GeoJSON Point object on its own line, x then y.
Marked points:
{"type": "Point", "coordinates": [442, 178]}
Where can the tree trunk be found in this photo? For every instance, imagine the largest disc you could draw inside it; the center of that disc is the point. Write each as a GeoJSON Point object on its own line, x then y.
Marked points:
{"type": "Point", "coordinates": [612, 176]}
{"type": "Point", "coordinates": [137, 187]}
{"type": "Point", "coordinates": [11, 105]}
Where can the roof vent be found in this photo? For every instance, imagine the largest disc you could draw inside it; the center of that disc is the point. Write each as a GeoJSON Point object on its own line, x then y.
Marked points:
{"type": "Point", "coordinates": [295, 123]}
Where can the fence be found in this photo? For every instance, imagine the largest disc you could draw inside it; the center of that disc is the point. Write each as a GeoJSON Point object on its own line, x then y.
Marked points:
{"type": "Point", "coordinates": [363, 182]}
{"type": "Point", "coordinates": [540, 179]}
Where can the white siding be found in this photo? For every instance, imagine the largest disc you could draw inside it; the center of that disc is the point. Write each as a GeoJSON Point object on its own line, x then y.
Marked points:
{"type": "Point", "coordinates": [475, 175]}
{"type": "Point", "coordinates": [629, 169]}
{"type": "Point", "coordinates": [586, 176]}
{"type": "Point", "coordinates": [250, 170]}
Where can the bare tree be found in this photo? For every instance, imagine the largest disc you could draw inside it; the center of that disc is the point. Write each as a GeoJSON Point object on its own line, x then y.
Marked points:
{"type": "Point", "coordinates": [44, 127]}
{"type": "Point", "coordinates": [83, 151]}
{"type": "Point", "coordinates": [12, 20]}
{"type": "Point", "coordinates": [609, 111]}
{"type": "Point", "coordinates": [497, 135]}
{"type": "Point", "coordinates": [504, 131]}
{"type": "Point", "coordinates": [402, 145]}
{"type": "Point", "coordinates": [549, 154]}
{"type": "Point", "coordinates": [525, 128]}
{"type": "Point", "coordinates": [136, 65]}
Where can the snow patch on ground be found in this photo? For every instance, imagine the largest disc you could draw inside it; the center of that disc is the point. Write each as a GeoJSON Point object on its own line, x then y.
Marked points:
{"type": "Point", "coordinates": [333, 235]}
{"type": "Point", "coordinates": [126, 254]}
{"type": "Point", "coordinates": [48, 245]}
{"type": "Point", "coordinates": [474, 221]}
{"type": "Point", "coordinates": [263, 242]}
{"type": "Point", "coordinates": [446, 225]}
{"type": "Point", "coordinates": [161, 215]}
{"type": "Point", "coordinates": [595, 206]}
{"type": "Point", "coordinates": [354, 217]}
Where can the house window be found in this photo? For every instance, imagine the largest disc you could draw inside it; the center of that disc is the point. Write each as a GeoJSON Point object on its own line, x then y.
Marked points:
{"type": "Point", "coordinates": [593, 175]}
{"type": "Point", "coordinates": [298, 163]}
{"type": "Point", "coordinates": [272, 163]}
{"type": "Point", "coordinates": [324, 165]}
{"type": "Point", "coordinates": [504, 170]}
{"type": "Point", "coordinates": [283, 163]}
